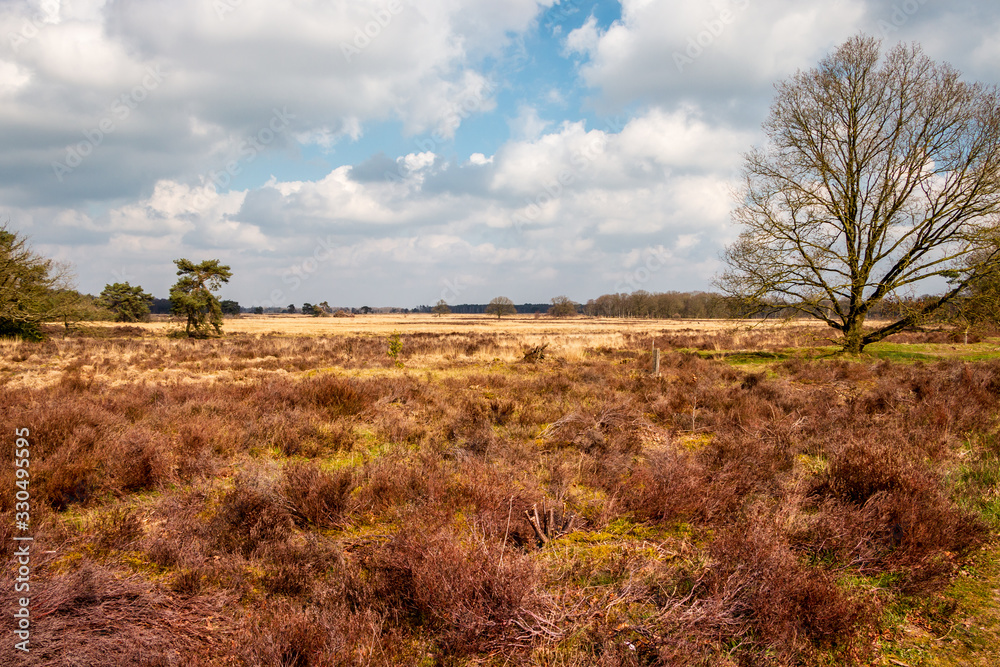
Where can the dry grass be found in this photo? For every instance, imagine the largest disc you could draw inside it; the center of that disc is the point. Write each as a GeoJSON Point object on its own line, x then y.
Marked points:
{"type": "Point", "coordinates": [381, 325]}
{"type": "Point", "coordinates": [265, 346]}
{"type": "Point", "coordinates": [303, 500]}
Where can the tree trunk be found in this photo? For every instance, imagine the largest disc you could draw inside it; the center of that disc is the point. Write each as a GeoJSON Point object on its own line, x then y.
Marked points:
{"type": "Point", "coordinates": [854, 336]}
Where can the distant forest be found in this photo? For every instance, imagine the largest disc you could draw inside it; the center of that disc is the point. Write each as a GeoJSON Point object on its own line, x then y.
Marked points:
{"type": "Point", "coordinates": [641, 304]}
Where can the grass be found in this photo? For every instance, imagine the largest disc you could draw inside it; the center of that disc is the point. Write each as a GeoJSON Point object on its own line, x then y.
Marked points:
{"type": "Point", "coordinates": [300, 499]}
{"type": "Point", "coordinates": [927, 352]}
{"type": "Point", "coordinates": [958, 627]}
{"type": "Point", "coordinates": [896, 352]}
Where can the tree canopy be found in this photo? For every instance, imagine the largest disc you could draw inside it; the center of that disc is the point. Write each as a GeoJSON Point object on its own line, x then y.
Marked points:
{"type": "Point", "coordinates": [33, 289]}
{"type": "Point", "coordinates": [501, 306]}
{"type": "Point", "coordinates": [192, 297]}
{"type": "Point", "coordinates": [562, 306]}
{"type": "Point", "coordinates": [880, 172]}
{"type": "Point", "coordinates": [128, 303]}
{"type": "Point", "coordinates": [979, 303]}
{"type": "Point", "coordinates": [230, 307]}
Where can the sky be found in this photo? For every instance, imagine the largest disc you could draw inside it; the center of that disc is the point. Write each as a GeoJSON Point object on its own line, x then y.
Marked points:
{"type": "Point", "coordinates": [398, 152]}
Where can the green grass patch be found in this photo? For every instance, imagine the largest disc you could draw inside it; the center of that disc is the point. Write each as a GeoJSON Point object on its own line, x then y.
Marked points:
{"type": "Point", "coordinates": [896, 352]}
{"type": "Point", "coordinates": [958, 627]}
{"type": "Point", "coordinates": [746, 358]}
{"type": "Point", "coordinates": [976, 484]}
{"type": "Point", "coordinates": [929, 352]}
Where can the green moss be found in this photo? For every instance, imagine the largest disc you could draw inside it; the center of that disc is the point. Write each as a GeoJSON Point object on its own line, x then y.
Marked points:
{"type": "Point", "coordinates": [976, 484]}
{"type": "Point", "coordinates": [959, 626]}
{"type": "Point", "coordinates": [929, 352]}
{"type": "Point", "coordinates": [138, 562]}
{"type": "Point", "coordinates": [747, 358]}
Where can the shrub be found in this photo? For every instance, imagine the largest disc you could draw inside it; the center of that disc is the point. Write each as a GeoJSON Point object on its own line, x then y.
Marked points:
{"type": "Point", "coordinates": [249, 516]}
{"type": "Point", "coordinates": [315, 496]}
{"type": "Point", "coordinates": [293, 569]}
{"type": "Point", "coordinates": [456, 585]}
{"type": "Point", "coordinates": [338, 396]}
{"type": "Point", "coordinates": [861, 470]}
{"type": "Point", "coordinates": [139, 464]}
{"type": "Point", "coordinates": [68, 478]}
{"type": "Point", "coordinates": [783, 608]}
{"type": "Point", "coordinates": [290, 638]}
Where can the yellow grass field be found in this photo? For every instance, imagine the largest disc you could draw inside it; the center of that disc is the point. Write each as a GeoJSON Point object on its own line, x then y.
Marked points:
{"type": "Point", "coordinates": [147, 353]}
{"type": "Point", "coordinates": [304, 325]}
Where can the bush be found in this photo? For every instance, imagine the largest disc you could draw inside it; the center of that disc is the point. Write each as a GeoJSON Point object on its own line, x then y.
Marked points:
{"type": "Point", "coordinates": [784, 608]}
{"type": "Point", "coordinates": [317, 497]}
{"type": "Point", "coordinates": [456, 585]}
{"type": "Point", "coordinates": [249, 516]}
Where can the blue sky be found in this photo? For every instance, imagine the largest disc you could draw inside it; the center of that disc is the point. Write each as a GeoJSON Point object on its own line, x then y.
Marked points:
{"type": "Point", "coordinates": [458, 150]}
{"type": "Point", "coordinates": [532, 69]}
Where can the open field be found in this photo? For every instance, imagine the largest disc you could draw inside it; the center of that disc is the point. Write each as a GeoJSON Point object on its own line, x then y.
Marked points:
{"type": "Point", "coordinates": [292, 494]}
{"type": "Point", "coordinates": [305, 325]}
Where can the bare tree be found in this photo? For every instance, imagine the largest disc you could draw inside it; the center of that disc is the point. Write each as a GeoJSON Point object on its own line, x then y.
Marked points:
{"type": "Point", "coordinates": [441, 308]}
{"type": "Point", "coordinates": [501, 306]}
{"type": "Point", "coordinates": [562, 306]}
{"type": "Point", "coordinates": [880, 172]}
{"type": "Point", "coordinates": [979, 304]}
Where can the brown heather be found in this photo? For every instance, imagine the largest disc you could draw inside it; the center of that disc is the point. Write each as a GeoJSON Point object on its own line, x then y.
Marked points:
{"type": "Point", "coordinates": [268, 500]}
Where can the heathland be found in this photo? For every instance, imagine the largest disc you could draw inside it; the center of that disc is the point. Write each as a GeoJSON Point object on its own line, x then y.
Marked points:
{"type": "Point", "coordinates": [458, 490]}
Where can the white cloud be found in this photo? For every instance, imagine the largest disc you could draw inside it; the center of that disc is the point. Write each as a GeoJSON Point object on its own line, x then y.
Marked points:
{"type": "Point", "coordinates": [527, 124]}
{"type": "Point", "coordinates": [557, 207]}
{"type": "Point", "coordinates": [584, 40]}
{"type": "Point", "coordinates": [572, 201]}
{"type": "Point", "coordinates": [337, 66]}
{"type": "Point", "coordinates": [662, 51]}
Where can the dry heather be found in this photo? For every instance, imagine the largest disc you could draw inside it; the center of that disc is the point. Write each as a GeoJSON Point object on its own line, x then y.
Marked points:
{"type": "Point", "coordinates": [261, 500]}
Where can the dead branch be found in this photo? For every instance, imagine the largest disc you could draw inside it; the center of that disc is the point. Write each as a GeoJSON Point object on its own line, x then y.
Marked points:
{"type": "Point", "coordinates": [549, 525]}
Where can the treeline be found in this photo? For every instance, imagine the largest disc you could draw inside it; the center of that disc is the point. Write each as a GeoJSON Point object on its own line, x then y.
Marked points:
{"type": "Point", "coordinates": [640, 304]}
{"type": "Point", "coordinates": [480, 308]}
{"type": "Point", "coordinates": [659, 305]}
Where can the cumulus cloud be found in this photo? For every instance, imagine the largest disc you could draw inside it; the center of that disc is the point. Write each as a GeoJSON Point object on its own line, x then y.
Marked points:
{"type": "Point", "coordinates": [545, 208]}
{"type": "Point", "coordinates": [661, 52]}
{"type": "Point", "coordinates": [527, 124]}
{"type": "Point", "coordinates": [336, 66]}
{"type": "Point", "coordinates": [217, 129]}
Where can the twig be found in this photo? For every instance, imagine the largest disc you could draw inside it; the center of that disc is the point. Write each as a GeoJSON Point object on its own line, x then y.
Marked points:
{"type": "Point", "coordinates": [510, 509]}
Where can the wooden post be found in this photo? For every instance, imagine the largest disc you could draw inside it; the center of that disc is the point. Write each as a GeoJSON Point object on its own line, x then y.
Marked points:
{"type": "Point", "coordinates": [656, 361]}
